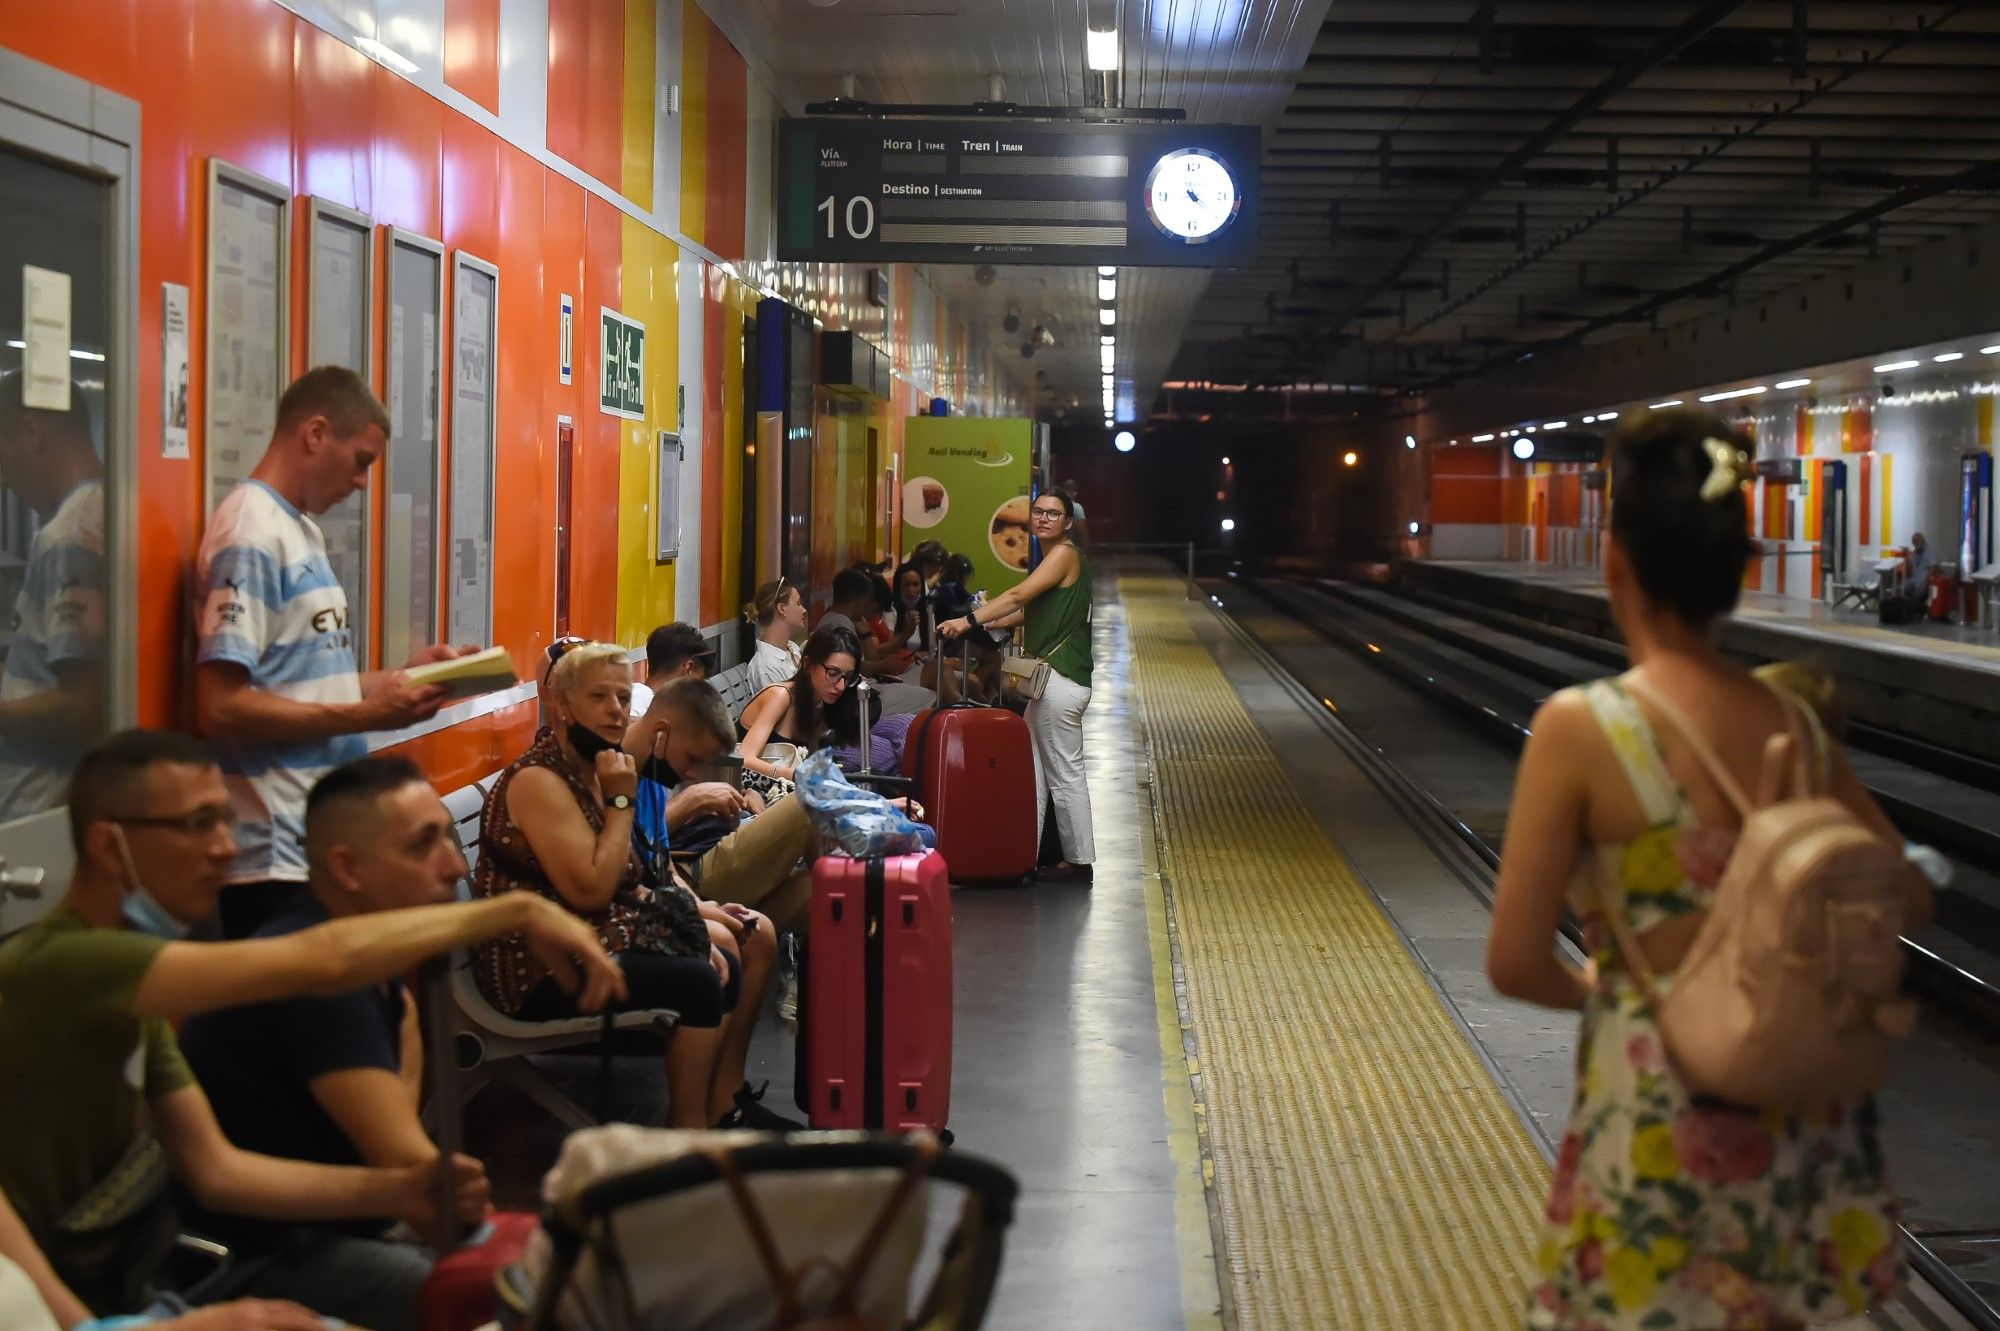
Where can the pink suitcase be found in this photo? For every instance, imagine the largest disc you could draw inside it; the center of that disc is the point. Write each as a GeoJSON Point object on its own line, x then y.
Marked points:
{"type": "Point", "coordinates": [877, 1036]}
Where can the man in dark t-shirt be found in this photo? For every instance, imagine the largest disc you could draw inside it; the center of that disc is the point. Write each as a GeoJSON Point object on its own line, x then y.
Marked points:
{"type": "Point", "coordinates": [334, 1078]}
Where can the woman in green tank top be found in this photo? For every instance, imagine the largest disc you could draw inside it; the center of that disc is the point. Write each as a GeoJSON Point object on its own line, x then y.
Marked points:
{"type": "Point", "coordinates": [1054, 600]}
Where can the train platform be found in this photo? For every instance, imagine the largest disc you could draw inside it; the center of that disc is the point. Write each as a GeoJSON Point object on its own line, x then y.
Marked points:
{"type": "Point", "coordinates": [1935, 681]}
{"type": "Point", "coordinates": [1255, 1077]}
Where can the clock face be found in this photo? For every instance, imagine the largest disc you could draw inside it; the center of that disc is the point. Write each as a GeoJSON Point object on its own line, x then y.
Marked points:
{"type": "Point", "coordinates": [1191, 196]}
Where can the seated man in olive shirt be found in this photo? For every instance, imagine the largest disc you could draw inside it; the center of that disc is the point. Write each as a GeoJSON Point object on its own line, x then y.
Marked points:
{"type": "Point", "coordinates": [98, 1106]}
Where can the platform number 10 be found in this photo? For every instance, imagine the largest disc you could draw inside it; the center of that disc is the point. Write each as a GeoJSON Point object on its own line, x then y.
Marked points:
{"type": "Point", "coordinates": [860, 216]}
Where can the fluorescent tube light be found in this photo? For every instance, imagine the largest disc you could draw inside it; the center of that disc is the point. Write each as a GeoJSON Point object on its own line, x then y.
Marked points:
{"type": "Point", "coordinates": [1100, 49]}
{"type": "Point", "coordinates": [1733, 393]}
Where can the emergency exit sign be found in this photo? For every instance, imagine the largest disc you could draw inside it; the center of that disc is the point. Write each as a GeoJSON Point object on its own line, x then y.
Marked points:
{"type": "Point", "coordinates": [621, 375]}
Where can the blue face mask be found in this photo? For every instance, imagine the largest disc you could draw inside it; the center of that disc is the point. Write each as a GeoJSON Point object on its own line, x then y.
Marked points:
{"type": "Point", "coordinates": [140, 908]}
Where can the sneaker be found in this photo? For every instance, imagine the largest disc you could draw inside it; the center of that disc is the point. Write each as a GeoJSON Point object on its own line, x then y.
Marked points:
{"type": "Point", "coordinates": [1065, 873]}
{"type": "Point", "coordinates": [750, 1113]}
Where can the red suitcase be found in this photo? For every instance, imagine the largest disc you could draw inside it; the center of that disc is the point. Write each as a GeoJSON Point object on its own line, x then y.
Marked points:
{"type": "Point", "coordinates": [460, 1294]}
{"type": "Point", "coordinates": [877, 1039]}
{"type": "Point", "coordinates": [974, 770]}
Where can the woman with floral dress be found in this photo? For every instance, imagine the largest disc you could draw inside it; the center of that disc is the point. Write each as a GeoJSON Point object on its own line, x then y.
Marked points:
{"type": "Point", "coordinates": [1671, 1211]}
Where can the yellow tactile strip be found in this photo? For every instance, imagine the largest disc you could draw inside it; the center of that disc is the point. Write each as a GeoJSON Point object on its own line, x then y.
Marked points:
{"type": "Point", "coordinates": [1368, 1172]}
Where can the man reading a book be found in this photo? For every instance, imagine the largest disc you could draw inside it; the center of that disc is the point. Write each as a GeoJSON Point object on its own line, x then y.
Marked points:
{"type": "Point", "coordinates": [276, 687]}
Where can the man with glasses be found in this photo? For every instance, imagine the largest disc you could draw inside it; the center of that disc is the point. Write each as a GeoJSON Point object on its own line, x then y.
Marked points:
{"type": "Point", "coordinates": [277, 687]}
{"type": "Point", "coordinates": [98, 1105]}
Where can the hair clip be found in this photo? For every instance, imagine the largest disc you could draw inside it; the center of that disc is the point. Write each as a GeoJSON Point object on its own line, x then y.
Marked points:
{"type": "Point", "coordinates": [1728, 468]}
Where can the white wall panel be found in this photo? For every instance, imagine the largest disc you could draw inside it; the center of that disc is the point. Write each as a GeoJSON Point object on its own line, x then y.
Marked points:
{"type": "Point", "coordinates": [690, 275]}
{"type": "Point", "coordinates": [524, 70]}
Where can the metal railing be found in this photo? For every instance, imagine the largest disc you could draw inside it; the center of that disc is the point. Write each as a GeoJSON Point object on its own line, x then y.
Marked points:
{"type": "Point", "coordinates": [1185, 548]}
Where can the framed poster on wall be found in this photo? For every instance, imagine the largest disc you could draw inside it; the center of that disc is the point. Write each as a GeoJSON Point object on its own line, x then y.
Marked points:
{"type": "Point", "coordinates": [340, 330]}
{"type": "Point", "coordinates": [475, 333]}
{"type": "Point", "coordinates": [249, 354]}
{"type": "Point", "coordinates": [412, 372]}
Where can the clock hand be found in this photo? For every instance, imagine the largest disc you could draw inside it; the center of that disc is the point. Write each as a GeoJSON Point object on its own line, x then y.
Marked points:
{"type": "Point", "coordinates": [1192, 195]}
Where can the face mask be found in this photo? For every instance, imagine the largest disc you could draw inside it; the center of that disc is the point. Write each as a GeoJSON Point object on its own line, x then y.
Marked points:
{"type": "Point", "coordinates": [657, 771]}
{"type": "Point", "coordinates": [587, 742]}
{"type": "Point", "coordinates": [140, 909]}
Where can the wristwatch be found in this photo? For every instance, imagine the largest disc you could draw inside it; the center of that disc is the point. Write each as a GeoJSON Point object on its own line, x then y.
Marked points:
{"type": "Point", "coordinates": [618, 802]}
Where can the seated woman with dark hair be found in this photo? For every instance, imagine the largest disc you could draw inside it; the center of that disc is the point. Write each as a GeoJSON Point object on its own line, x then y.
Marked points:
{"type": "Point", "coordinates": [794, 712]}
{"type": "Point", "coordinates": [559, 823]}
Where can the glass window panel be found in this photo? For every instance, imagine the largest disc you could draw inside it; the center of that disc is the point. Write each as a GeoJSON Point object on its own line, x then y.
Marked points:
{"type": "Point", "coordinates": [339, 323]}
{"type": "Point", "coordinates": [475, 313]}
{"type": "Point", "coordinates": [55, 574]}
{"type": "Point", "coordinates": [409, 525]}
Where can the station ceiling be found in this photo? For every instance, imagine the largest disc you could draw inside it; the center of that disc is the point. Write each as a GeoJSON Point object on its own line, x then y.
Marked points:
{"type": "Point", "coordinates": [1223, 61]}
{"type": "Point", "coordinates": [1448, 184]}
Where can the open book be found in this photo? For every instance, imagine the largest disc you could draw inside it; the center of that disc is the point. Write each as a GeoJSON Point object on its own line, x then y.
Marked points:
{"type": "Point", "coordinates": [481, 672]}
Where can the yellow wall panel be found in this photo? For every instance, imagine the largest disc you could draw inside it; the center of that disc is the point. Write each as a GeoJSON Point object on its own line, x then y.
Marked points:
{"type": "Point", "coordinates": [641, 38]}
{"type": "Point", "coordinates": [646, 588]}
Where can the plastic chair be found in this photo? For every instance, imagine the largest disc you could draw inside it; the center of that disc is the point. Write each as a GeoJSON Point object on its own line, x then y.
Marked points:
{"type": "Point", "coordinates": [489, 1046]}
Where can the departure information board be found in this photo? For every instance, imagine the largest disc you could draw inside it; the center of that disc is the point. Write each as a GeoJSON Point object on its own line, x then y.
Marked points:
{"type": "Point", "coordinates": [993, 191]}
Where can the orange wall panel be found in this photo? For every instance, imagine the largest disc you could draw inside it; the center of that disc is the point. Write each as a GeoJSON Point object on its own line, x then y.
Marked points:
{"type": "Point", "coordinates": [604, 95]}
{"type": "Point", "coordinates": [569, 68]}
{"type": "Point", "coordinates": [472, 50]}
{"type": "Point", "coordinates": [594, 577]}
{"type": "Point", "coordinates": [728, 126]}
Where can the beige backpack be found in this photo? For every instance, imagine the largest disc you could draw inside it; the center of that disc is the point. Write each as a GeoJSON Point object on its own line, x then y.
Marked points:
{"type": "Point", "coordinates": [1789, 996]}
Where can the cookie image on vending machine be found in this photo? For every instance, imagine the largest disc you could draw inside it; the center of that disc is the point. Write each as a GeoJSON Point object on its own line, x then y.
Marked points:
{"type": "Point", "coordinates": [925, 501]}
{"type": "Point", "coordinates": [1009, 534]}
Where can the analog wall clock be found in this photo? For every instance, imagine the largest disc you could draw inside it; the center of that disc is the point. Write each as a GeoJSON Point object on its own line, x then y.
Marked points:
{"type": "Point", "coordinates": [1191, 195]}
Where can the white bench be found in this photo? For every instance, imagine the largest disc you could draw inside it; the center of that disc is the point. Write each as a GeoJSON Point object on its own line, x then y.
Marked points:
{"type": "Point", "coordinates": [487, 1044]}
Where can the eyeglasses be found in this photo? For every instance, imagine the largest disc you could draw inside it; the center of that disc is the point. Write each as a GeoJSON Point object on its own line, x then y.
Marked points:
{"type": "Point", "coordinates": [202, 822]}
{"type": "Point", "coordinates": [839, 676]}
{"type": "Point", "coordinates": [562, 647]}
{"type": "Point", "coordinates": [1050, 513]}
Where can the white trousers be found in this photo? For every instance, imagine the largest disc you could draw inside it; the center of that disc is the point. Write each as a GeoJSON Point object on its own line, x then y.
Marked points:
{"type": "Point", "coordinates": [1055, 722]}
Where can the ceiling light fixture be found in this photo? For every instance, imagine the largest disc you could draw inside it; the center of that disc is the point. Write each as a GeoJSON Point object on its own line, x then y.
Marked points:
{"type": "Point", "coordinates": [1125, 441]}
{"type": "Point", "coordinates": [1670, 402]}
{"type": "Point", "coordinates": [1989, 351]}
{"type": "Point", "coordinates": [1524, 449]}
{"type": "Point", "coordinates": [1555, 425]}
{"type": "Point", "coordinates": [1107, 289]}
{"type": "Point", "coordinates": [1949, 355]}
{"type": "Point", "coordinates": [1350, 458]}
{"type": "Point", "coordinates": [1897, 365]}
{"type": "Point", "coordinates": [1734, 393]}
{"type": "Point", "coordinates": [1482, 438]}
{"type": "Point", "coordinates": [1793, 383]}
{"type": "Point", "coordinates": [1100, 49]}
{"type": "Point", "coordinates": [1225, 462]}
{"type": "Point", "coordinates": [1409, 441]}
{"type": "Point", "coordinates": [1107, 317]}
{"type": "Point", "coordinates": [1107, 271]}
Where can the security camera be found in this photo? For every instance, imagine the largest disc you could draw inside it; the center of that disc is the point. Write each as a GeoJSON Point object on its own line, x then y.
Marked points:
{"type": "Point", "coordinates": [1888, 388]}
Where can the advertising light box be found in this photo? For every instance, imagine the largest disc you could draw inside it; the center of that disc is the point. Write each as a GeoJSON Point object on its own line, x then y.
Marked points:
{"type": "Point", "coordinates": [989, 191]}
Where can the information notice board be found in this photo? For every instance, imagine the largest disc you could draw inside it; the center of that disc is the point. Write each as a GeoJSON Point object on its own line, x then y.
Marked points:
{"type": "Point", "coordinates": [991, 191]}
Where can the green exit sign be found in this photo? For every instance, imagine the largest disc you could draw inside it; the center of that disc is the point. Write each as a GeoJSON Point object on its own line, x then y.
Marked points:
{"type": "Point", "coordinates": [621, 376]}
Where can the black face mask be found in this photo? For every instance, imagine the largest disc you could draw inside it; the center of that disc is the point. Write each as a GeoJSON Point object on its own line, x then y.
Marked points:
{"type": "Point", "coordinates": [657, 771]}
{"type": "Point", "coordinates": [587, 742]}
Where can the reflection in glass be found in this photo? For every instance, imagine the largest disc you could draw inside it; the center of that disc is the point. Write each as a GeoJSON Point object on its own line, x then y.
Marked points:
{"type": "Point", "coordinates": [52, 554]}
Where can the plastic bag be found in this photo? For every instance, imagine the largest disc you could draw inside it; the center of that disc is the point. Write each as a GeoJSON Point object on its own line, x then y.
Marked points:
{"type": "Point", "coordinates": [859, 822]}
